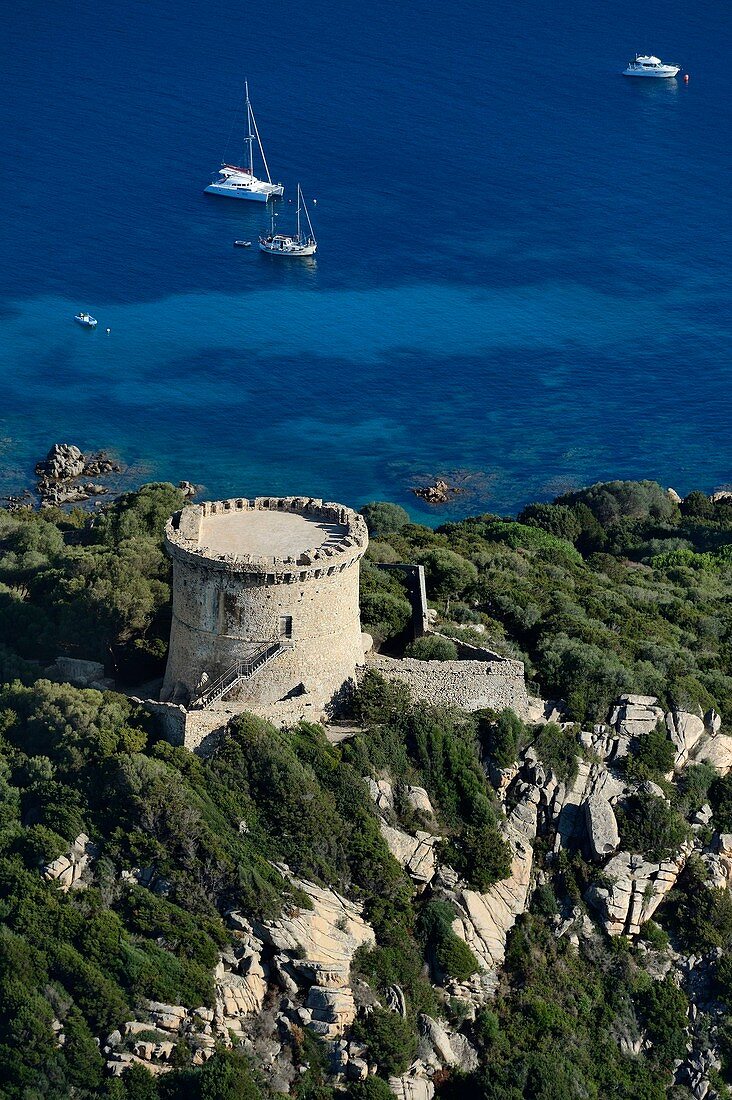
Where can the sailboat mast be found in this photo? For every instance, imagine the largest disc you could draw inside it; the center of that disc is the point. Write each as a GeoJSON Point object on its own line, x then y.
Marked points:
{"type": "Point", "coordinates": [307, 215]}
{"type": "Point", "coordinates": [250, 135]}
{"type": "Point", "coordinates": [259, 142]}
{"type": "Point", "coordinates": [299, 196]}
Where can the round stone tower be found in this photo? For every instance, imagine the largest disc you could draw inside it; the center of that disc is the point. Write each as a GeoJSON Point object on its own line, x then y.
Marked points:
{"type": "Point", "coordinates": [265, 604]}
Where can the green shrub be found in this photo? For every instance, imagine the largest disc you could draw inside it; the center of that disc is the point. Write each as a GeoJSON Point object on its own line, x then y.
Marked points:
{"type": "Point", "coordinates": [664, 1007]}
{"type": "Point", "coordinates": [448, 575]}
{"type": "Point", "coordinates": [544, 901]}
{"type": "Point", "coordinates": [649, 826]}
{"type": "Point", "coordinates": [385, 609]}
{"type": "Point", "coordinates": [652, 934]}
{"type": "Point", "coordinates": [452, 956]}
{"type": "Point", "coordinates": [431, 648]}
{"type": "Point", "coordinates": [651, 755]}
{"type": "Point", "coordinates": [373, 1088]}
{"type": "Point", "coordinates": [391, 1040]}
{"type": "Point", "coordinates": [557, 749]}
{"type": "Point", "coordinates": [384, 519]}
{"type": "Point", "coordinates": [501, 735]}
{"type": "Point", "coordinates": [720, 797]}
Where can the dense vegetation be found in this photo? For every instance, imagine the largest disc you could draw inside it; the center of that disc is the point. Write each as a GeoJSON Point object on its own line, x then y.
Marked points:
{"type": "Point", "coordinates": [608, 589]}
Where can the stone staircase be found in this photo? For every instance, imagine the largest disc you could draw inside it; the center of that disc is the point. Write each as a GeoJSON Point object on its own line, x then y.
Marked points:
{"type": "Point", "coordinates": [237, 674]}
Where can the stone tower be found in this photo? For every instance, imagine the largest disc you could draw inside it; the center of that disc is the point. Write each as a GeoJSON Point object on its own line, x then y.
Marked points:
{"type": "Point", "coordinates": [265, 605]}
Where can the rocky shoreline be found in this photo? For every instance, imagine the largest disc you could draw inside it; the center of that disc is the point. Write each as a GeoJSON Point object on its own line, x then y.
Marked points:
{"type": "Point", "coordinates": [61, 479]}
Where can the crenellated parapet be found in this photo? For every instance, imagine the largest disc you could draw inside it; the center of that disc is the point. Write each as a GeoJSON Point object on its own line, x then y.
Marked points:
{"type": "Point", "coordinates": [188, 537]}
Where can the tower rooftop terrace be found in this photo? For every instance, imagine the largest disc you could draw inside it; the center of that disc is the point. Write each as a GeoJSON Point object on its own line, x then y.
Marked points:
{"type": "Point", "coordinates": [254, 535]}
{"type": "Point", "coordinates": [267, 534]}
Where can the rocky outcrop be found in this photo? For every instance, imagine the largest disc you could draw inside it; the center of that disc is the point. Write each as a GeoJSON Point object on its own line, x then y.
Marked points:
{"type": "Point", "coordinates": [68, 872]}
{"type": "Point", "coordinates": [152, 1041]}
{"type": "Point", "coordinates": [719, 862]}
{"type": "Point", "coordinates": [419, 800]}
{"type": "Point", "coordinates": [381, 793]}
{"type": "Point", "coordinates": [330, 932]}
{"type": "Point", "coordinates": [484, 920]}
{"type": "Point", "coordinates": [412, 1087]}
{"type": "Point", "coordinates": [241, 987]}
{"type": "Point", "coordinates": [415, 854]}
{"type": "Point", "coordinates": [635, 888]}
{"type": "Point", "coordinates": [635, 715]}
{"type": "Point", "coordinates": [314, 948]}
{"type": "Point", "coordinates": [685, 730]}
{"type": "Point", "coordinates": [602, 826]}
{"type": "Point", "coordinates": [440, 1046]}
{"type": "Point", "coordinates": [716, 751]}
{"type": "Point", "coordinates": [437, 492]}
{"type": "Point", "coordinates": [60, 472]}
{"type": "Point", "coordinates": [63, 462]}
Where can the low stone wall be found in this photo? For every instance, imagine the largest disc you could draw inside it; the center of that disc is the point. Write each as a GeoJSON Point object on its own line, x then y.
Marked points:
{"type": "Point", "coordinates": [469, 685]}
{"type": "Point", "coordinates": [200, 730]}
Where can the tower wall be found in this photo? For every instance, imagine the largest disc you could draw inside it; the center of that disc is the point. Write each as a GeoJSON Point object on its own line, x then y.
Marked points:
{"type": "Point", "coordinates": [227, 607]}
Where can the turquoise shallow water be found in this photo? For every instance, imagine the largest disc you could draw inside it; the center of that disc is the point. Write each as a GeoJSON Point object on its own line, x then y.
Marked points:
{"type": "Point", "coordinates": [524, 262]}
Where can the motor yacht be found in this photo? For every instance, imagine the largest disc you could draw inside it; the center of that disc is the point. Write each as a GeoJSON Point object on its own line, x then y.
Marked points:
{"type": "Point", "coordinates": [648, 65]}
{"type": "Point", "coordinates": [86, 320]}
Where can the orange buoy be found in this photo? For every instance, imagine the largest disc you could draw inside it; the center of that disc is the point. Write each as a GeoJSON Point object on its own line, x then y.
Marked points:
{"type": "Point", "coordinates": [686, 78]}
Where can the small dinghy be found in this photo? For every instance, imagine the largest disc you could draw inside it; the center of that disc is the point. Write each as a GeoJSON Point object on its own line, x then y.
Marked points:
{"type": "Point", "coordinates": [86, 320]}
{"type": "Point", "coordinates": [242, 244]}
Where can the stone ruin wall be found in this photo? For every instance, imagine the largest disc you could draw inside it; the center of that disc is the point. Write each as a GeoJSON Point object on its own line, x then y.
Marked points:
{"type": "Point", "coordinates": [490, 681]}
{"type": "Point", "coordinates": [226, 607]}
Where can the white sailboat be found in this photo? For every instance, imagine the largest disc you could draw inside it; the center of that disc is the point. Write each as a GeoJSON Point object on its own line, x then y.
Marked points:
{"type": "Point", "coordinates": [236, 181]}
{"type": "Point", "coordinates": [285, 244]}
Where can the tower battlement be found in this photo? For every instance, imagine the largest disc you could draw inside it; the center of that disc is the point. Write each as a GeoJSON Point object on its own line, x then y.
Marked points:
{"type": "Point", "coordinates": [298, 537]}
{"type": "Point", "coordinates": [265, 603]}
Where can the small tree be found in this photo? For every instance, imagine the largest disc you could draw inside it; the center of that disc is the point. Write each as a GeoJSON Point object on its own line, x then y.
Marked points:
{"type": "Point", "coordinates": [448, 574]}
{"type": "Point", "coordinates": [391, 1040]}
{"type": "Point", "coordinates": [384, 519]}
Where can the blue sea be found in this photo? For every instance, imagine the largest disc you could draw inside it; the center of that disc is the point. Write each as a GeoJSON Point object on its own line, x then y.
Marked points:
{"type": "Point", "coordinates": [523, 275]}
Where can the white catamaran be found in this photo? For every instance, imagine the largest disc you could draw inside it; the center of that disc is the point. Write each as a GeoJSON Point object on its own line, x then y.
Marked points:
{"type": "Point", "coordinates": [284, 244]}
{"type": "Point", "coordinates": [235, 181]}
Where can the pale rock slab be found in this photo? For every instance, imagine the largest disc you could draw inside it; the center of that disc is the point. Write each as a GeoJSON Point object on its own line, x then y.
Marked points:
{"type": "Point", "coordinates": [685, 730]}
{"type": "Point", "coordinates": [638, 888]}
{"type": "Point", "coordinates": [411, 1088]}
{"type": "Point", "coordinates": [333, 1010]}
{"type": "Point", "coordinates": [415, 854]}
{"type": "Point", "coordinates": [716, 751]}
{"type": "Point", "coordinates": [239, 996]}
{"type": "Point", "coordinates": [449, 1048]}
{"type": "Point", "coordinates": [330, 932]}
{"type": "Point", "coordinates": [381, 793]}
{"type": "Point", "coordinates": [419, 800]}
{"type": "Point", "coordinates": [483, 921]}
{"type": "Point", "coordinates": [602, 826]}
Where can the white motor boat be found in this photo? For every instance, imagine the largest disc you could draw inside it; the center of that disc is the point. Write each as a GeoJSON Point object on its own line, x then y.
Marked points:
{"type": "Point", "coordinates": [236, 181]}
{"type": "Point", "coordinates": [648, 65]}
{"type": "Point", "coordinates": [86, 320]}
{"type": "Point", "coordinates": [284, 244]}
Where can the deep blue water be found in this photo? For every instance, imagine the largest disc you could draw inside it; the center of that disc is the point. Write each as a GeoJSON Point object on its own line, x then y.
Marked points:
{"type": "Point", "coordinates": [524, 258]}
